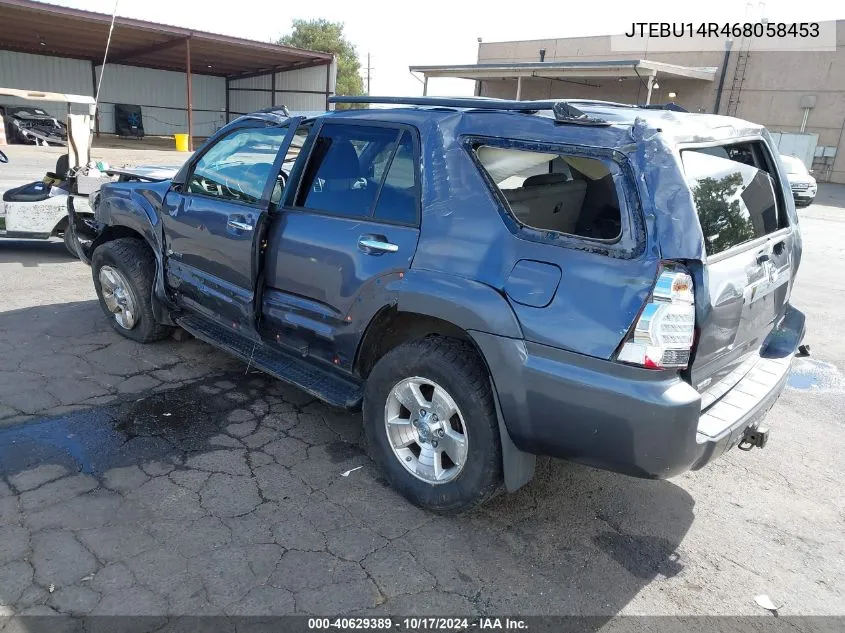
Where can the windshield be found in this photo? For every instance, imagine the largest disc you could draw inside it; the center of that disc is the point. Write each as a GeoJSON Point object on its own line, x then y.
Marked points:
{"type": "Point", "coordinates": [794, 165]}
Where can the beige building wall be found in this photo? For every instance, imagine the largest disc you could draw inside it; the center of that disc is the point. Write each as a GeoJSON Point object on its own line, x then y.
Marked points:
{"type": "Point", "coordinates": [769, 92]}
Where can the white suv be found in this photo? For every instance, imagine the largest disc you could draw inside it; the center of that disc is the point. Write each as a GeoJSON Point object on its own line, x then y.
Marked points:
{"type": "Point", "coordinates": [801, 181]}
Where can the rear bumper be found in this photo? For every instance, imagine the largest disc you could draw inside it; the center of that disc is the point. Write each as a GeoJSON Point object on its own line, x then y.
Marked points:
{"type": "Point", "coordinates": [635, 421]}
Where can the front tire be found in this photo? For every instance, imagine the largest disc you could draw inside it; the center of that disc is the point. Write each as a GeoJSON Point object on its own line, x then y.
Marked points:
{"type": "Point", "coordinates": [124, 271]}
{"type": "Point", "coordinates": [431, 426]}
{"type": "Point", "coordinates": [70, 244]}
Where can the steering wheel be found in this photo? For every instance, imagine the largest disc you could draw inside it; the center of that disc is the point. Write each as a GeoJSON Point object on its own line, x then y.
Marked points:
{"type": "Point", "coordinates": [3, 157]}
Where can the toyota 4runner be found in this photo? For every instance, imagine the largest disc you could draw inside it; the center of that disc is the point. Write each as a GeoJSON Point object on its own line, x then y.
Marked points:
{"type": "Point", "coordinates": [489, 279]}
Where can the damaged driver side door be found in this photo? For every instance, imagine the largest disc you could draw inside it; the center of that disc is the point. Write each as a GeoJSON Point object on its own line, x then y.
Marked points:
{"type": "Point", "coordinates": [214, 220]}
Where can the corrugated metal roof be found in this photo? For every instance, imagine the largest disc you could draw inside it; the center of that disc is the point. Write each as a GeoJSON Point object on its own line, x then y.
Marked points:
{"type": "Point", "coordinates": [40, 28]}
{"type": "Point", "coordinates": [579, 68]}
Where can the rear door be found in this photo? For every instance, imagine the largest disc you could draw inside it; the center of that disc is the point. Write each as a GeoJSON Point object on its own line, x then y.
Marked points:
{"type": "Point", "coordinates": [744, 286]}
{"type": "Point", "coordinates": [350, 225]}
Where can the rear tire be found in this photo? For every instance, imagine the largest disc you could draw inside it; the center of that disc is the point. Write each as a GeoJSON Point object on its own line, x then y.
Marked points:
{"type": "Point", "coordinates": [124, 271]}
{"type": "Point", "coordinates": [451, 369]}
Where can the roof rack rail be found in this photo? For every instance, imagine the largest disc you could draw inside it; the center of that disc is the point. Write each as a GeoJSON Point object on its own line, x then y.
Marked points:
{"type": "Point", "coordinates": [272, 110]}
{"type": "Point", "coordinates": [674, 107]}
{"type": "Point", "coordinates": [563, 111]}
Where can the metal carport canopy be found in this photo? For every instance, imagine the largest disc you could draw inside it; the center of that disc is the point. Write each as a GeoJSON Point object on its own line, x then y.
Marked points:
{"type": "Point", "coordinates": [44, 29]}
{"type": "Point", "coordinates": [581, 69]}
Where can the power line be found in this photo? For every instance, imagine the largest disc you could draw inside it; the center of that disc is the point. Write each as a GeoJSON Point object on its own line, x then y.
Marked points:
{"type": "Point", "coordinates": [369, 72]}
{"type": "Point", "coordinates": [105, 55]}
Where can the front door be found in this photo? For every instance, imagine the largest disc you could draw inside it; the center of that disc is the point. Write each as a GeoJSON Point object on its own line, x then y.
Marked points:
{"type": "Point", "coordinates": [214, 218]}
{"type": "Point", "coordinates": [350, 225]}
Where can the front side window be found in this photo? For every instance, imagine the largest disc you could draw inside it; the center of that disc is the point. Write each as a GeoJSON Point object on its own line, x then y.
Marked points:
{"type": "Point", "coordinates": [564, 193]}
{"type": "Point", "coordinates": [236, 168]}
{"type": "Point", "coordinates": [735, 201]}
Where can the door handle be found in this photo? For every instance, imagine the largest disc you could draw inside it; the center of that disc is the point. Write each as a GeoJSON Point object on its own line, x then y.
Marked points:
{"type": "Point", "coordinates": [376, 244]}
{"type": "Point", "coordinates": [237, 225]}
{"type": "Point", "coordinates": [762, 257]}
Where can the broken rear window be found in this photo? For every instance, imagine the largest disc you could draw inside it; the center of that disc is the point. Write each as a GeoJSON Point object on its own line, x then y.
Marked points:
{"type": "Point", "coordinates": [565, 193]}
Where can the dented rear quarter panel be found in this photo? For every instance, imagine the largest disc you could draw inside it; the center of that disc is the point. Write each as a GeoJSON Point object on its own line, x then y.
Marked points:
{"type": "Point", "coordinates": [467, 232]}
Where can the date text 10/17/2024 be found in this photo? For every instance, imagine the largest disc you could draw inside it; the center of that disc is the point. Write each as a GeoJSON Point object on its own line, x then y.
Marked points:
{"type": "Point", "coordinates": [414, 624]}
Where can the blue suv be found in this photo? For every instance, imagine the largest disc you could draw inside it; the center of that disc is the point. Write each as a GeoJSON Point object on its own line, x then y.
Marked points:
{"type": "Point", "coordinates": [489, 279]}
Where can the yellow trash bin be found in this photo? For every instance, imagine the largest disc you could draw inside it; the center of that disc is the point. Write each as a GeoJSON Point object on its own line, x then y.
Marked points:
{"type": "Point", "coordinates": [181, 142]}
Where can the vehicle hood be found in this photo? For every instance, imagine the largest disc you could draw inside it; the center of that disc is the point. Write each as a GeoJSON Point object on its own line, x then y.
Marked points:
{"type": "Point", "coordinates": [29, 116]}
{"type": "Point", "coordinates": [146, 172]}
{"type": "Point", "coordinates": [800, 178]}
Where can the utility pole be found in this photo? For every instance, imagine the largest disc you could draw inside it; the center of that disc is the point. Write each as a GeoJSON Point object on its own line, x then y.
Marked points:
{"type": "Point", "coordinates": [369, 72]}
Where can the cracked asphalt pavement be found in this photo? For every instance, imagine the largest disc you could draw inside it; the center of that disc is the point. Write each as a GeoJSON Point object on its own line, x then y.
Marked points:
{"type": "Point", "coordinates": [169, 479]}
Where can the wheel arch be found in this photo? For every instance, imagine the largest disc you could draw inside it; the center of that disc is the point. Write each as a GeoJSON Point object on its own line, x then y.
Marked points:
{"type": "Point", "coordinates": [132, 266]}
{"type": "Point", "coordinates": [60, 227]}
{"type": "Point", "coordinates": [113, 232]}
{"type": "Point", "coordinates": [391, 327]}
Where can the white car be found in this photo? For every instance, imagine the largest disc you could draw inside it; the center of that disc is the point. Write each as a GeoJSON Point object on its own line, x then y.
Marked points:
{"type": "Point", "coordinates": [801, 181]}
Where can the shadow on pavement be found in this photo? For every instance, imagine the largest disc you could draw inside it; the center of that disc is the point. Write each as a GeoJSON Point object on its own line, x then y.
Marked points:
{"type": "Point", "coordinates": [33, 252]}
{"type": "Point", "coordinates": [66, 355]}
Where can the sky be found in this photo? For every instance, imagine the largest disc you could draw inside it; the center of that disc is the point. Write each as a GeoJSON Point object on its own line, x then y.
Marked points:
{"type": "Point", "coordinates": [399, 34]}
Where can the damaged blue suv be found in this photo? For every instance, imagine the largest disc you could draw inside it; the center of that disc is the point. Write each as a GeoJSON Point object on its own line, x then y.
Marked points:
{"type": "Point", "coordinates": [490, 280]}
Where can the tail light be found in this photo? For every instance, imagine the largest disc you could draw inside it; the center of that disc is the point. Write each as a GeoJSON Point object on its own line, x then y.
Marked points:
{"type": "Point", "coordinates": [665, 331]}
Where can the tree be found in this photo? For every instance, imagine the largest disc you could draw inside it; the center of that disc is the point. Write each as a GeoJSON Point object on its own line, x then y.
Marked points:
{"type": "Point", "coordinates": [328, 37]}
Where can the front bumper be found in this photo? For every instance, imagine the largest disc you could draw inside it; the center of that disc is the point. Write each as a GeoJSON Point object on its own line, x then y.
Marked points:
{"type": "Point", "coordinates": [804, 194]}
{"type": "Point", "coordinates": [81, 226]}
{"type": "Point", "coordinates": [635, 421]}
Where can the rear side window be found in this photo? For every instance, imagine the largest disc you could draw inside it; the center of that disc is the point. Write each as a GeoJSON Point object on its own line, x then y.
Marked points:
{"type": "Point", "coordinates": [568, 194]}
{"type": "Point", "coordinates": [362, 171]}
{"type": "Point", "coordinates": [397, 200]}
{"type": "Point", "coordinates": [341, 173]}
{"type": "Point", "coordinates": [735, 199]}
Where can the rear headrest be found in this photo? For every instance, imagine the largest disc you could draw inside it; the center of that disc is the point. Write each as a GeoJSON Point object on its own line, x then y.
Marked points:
{"type": "Point", "coordinates": [545, 179]}
{"type": "Point", "coordinates": [341, 161]}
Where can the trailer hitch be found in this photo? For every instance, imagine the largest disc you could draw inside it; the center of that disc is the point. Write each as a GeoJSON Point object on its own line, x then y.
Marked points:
{"type": "Point", "coordinates": [753, 437]}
